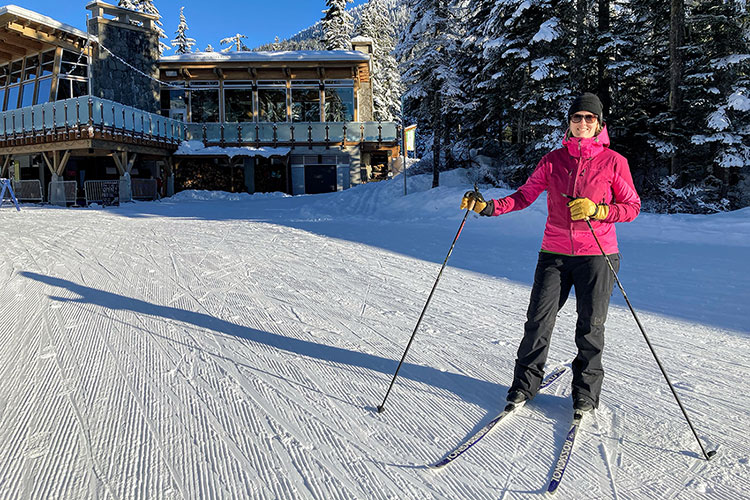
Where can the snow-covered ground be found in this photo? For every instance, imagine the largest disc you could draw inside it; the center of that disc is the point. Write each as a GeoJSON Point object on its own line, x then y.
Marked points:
{"type": "Point", "coordinates": [234, 346]}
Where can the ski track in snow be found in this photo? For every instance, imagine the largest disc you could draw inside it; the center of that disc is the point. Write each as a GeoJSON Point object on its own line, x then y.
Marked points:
{"type": "Point", "coordinates": [160, 355]}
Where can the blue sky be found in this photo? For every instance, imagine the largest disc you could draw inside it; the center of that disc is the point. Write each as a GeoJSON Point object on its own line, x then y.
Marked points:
{"type": "Point", "coordinates": [209, 20]}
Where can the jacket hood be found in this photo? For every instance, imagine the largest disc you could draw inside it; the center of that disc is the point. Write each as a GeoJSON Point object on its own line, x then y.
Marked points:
{"type": "Point", "coordinates": [586, 148]}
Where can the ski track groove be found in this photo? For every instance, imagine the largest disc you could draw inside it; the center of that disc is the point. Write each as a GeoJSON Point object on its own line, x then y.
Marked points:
{"type": "Point", "coordinates": [287, 410]}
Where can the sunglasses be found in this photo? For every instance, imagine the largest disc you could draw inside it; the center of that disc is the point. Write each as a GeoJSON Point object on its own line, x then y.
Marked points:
{"type": "Point", "coordinates": [576, 118]}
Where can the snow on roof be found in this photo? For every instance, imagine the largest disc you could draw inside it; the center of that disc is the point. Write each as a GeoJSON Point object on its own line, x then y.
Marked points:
{"type": "Point", "coordinates": [361, 38]}
{"type": "Point", "coordinates": [39, 18]}
{"type": "Point", "coordinates": [266, 56]}
{"type": "Point", "coordinates": [196, 148]}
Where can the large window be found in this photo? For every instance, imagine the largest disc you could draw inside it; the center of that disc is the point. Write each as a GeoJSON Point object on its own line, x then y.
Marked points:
{"type": "Point", "coordinates": [238, 102]}
{"type": "Point", "coordinates": [204, 102]}
{"type": "Point", "coordinates": [339, 100]}
{"type": "Point", "coordinates": [174, 102]}
{"type": "Point", "coordinates": [67, 88]}
{"type": "Point", "coordinates": [73, 80]}
{"type": "Point", "coordinates": [305, 101]}
{"type": "Point", "coordinates": [272, 101]}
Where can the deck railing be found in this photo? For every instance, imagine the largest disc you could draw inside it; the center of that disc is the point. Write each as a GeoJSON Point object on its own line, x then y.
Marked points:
{"type": "Point", "coordinates": [85, 117]}
{"type": "Point", "coordinates": [295, 133]}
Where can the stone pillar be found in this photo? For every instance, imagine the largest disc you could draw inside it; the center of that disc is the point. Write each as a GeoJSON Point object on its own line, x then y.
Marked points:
{"type": "Point", "coordinates": [137, 44]}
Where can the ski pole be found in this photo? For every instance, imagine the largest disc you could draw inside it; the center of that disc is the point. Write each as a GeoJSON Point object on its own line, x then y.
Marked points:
{"type": "Point", "coordinates": [381, 408]}
{"type": "Point", "coordinates": [708, 455]}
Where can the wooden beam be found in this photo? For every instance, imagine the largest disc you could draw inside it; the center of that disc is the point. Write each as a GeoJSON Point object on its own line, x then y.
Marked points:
{"type": "Point", "coordinates": [21, 44]}
{"type": "Point", "coordinates": [49, 164]}
{"type": "Point", "coordinates": [131, 162]}
{"type": "Point", "coordinates": [6, 163]}
{"type": "Point", "coordinates": [33, 34]}
{"type": "Point", "coordinates": [63, 163]}
{"type": "Point", "coordinates": [118, 162]}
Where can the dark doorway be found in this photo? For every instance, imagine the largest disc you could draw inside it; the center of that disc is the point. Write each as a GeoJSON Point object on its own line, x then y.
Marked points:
{"type": "Point", "coordinates": [270, 175]}
{"type": "Point", "coordinates": [320, 179]}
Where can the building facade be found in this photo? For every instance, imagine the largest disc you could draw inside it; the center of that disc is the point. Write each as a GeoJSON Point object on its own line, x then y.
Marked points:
{"type": "Point", "coordinates": [102, 105]}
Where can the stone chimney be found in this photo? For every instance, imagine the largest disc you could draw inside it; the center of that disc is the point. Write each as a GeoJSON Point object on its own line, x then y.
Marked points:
{"type": "Point", "coordinates": [131, 36]}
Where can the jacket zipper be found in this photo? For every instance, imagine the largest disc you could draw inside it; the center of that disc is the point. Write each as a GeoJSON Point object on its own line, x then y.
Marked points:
{"type": "Point", "coordinates": [579, 163]}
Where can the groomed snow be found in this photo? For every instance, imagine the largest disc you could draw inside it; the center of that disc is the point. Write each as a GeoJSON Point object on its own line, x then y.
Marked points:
{"type": "Point", "coordinates": [218, 345]}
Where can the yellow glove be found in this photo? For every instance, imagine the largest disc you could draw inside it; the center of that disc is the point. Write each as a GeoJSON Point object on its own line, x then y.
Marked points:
{"type": "Point", "coordinates": [583, 208]}
{"type": "Point", "coordinates": [473, 200]}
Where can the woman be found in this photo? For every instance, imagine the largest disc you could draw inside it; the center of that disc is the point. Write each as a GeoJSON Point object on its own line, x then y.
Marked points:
{"type": "Point", "coordinates": [584, 180]}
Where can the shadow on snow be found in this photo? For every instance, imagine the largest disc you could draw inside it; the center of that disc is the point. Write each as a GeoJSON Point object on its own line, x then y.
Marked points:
{"type": "Point", "coordinates": [465, 387]}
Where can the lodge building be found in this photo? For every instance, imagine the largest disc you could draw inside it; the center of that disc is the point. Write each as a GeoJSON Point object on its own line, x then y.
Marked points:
{"type": "Point", "coordinates": [77, 108]}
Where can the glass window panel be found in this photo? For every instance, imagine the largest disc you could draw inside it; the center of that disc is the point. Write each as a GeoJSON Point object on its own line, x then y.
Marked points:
{"type": "Point", "coordinates": [271, 83]}
{"type": "Point", "coordinates": [204, 106]}
{"type": "Point", "coordinates": [48, 60]}
{"type": "Point", "coordinates": [238, 105]}
{"type": "Point", "coordinates": [305, 105]}
{"type": "Point", "coordinates": [173, 99]}
{"type": "Point", "coordinates": [73, 64]}
{"type": "Point", "coordinates": [15, 72]}
{"type": "Point", "coordinates": [32, 63]}
{"type": "Point", "coordinates": [63, 89]}
{"type": "Point", "coordinates": [2, 98]}
{"type": "Point", "coordinates": [272, 105]}
{"type": "Point", "coordinates": [3, 77]}
{"type": "Point", "coordinates": [45, 87]}
{"type": "Point", "coordinates": [12, 98]}
{"type": "Point", "coordinates": [347, 83]}
{"type": "Point", "coordinates": [204, 84]}
{"type": "Point", "coordinates": [80, 88]}
{"type": "Point", "coordinates": [27, 95]}
{"type": "Point", "coordinates": [238, 83]}
{"type": "Point", "coordinates": [339, 104]}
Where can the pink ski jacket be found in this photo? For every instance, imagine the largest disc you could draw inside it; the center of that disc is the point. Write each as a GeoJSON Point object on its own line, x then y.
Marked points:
{"type": "Point", "coordinates": [581, 168]}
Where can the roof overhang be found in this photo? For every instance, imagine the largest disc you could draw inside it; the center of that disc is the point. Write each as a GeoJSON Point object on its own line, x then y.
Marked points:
{"type": "Point", "coordinates": [24, 32]}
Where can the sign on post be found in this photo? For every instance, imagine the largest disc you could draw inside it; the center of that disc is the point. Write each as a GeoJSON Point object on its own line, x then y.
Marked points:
{"type": "Point", "coordinates": [409, 139]}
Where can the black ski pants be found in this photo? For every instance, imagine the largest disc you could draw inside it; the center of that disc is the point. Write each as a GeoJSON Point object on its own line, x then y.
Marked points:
{"type": "Point", "coordinates": [555, 275]}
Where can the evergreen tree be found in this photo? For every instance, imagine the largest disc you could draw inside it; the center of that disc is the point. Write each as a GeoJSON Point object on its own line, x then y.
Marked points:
{"type": "Point", "coordinates": [182, 43]}
{"type": "Point", "coordinates": [234, 42]}
{"type": "Point", "coordinates": [717, 85]}
{"type": "Point", "coordinates": [148, 7]}
{"type": "Point", "coordinates": [337, 25]}
{"type": "Point", "coordinates": [426, 52]}
{"type": "Point", "coordinates": [531, 60]}
{"type": "Point", "coordinates": [128, 4]}
{"type": "Point", "coordinates": [387, 86]}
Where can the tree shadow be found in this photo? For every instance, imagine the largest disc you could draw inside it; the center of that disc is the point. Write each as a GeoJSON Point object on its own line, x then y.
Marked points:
{"type": "Point", "coordinates": [467, 388]}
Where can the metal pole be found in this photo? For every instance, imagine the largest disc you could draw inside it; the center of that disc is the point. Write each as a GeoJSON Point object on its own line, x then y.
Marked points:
{"type": "Point", "coordinates": [708, 455]}
{"type": "Point", "coordinates": [381, 408]}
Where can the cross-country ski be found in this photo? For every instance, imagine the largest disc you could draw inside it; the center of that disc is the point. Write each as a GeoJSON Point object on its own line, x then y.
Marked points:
{"type": "Point", "coordinates": [481, 433]}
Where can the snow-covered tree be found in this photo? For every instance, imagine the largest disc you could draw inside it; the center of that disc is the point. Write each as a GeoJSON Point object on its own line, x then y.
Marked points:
{"type": "Point", "coordinates": [128, 4]}
{"type": "Point", "coordinates": [337, 25]}
{"type": "Point", "coordinates": [387, 86]}
{"type": "Point", "coordinates": [717, 86]}
{"type": "Point", "coordinates": [235, 42]}
{"type": "Point", "coordinates": [427, 64]}
{"type": "Point", "coordinates": [148, 7]}
{"type": "Point", "coordinates": [182, 43]}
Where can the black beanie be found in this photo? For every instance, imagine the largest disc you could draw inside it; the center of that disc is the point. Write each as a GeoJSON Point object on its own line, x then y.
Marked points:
{"type": "Point", "coordinates": [587, 102]}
